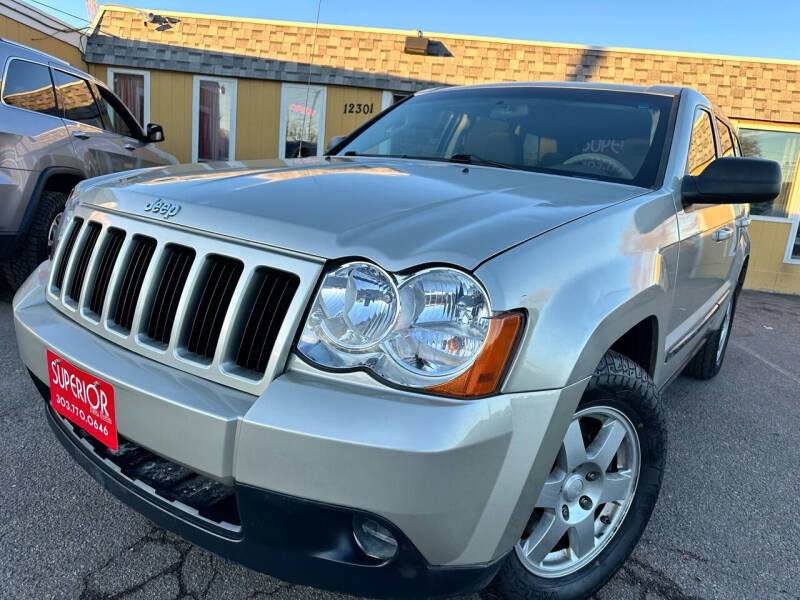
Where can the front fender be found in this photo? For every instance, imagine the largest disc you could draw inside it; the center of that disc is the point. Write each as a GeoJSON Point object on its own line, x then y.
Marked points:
{"type": "Point", "coordinates": [584, 285]}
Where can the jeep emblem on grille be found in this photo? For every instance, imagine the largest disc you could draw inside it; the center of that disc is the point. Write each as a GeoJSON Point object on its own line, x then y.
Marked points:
{"type": "Point", "coordinates": [163, 208]}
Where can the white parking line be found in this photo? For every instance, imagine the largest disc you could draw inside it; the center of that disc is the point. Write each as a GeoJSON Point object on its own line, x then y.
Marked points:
{"type": "Point", "coordinates": [767, 362]}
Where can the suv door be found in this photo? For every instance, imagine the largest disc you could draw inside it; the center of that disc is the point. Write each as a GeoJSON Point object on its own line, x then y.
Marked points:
{"type": "Point", "coordinates": [119, 121]}
{"type": "Point", "coordinates": [102, 151]}
{"type": "Point", "coordinates": [707, 243]}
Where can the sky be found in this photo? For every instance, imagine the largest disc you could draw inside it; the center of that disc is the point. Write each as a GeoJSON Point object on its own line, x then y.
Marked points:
{"type": "Point", "coordinates": [768, 28]}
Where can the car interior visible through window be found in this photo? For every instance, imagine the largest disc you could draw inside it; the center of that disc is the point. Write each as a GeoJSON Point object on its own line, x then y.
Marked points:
{"type": "Point", "coordinates": [610, 135]}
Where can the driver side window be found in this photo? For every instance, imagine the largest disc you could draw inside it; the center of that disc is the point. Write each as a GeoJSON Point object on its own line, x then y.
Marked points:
{"type": "Point", "coordinates": [115, 116]}
{"type": "Point", "coordinates": [702, 150]}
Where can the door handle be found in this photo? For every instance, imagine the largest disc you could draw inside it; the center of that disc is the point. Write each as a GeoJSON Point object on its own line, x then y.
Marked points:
{"type": "Point", "coordinates": [80, 135]}
{"type": "Point", "coordinates": [130, 147]}
{"type": "Point", "coordinates": [721, 234]}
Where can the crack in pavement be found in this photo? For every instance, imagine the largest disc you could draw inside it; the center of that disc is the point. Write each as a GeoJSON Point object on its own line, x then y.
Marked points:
{"type": "Point", "coordinates": [651, 580]}
{"type": "Point", "coordinates": [154, 535]}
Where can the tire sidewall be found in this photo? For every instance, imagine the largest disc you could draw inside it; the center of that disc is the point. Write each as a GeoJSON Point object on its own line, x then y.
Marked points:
{"type": "Point", "coordinates": [588, 579]}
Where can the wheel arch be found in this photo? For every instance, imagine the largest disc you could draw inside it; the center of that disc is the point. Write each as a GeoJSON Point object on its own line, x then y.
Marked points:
{"type": "Point", "coordinates": [50, 179]}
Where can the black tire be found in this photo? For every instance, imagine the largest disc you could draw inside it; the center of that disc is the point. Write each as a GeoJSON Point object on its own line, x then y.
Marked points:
{"type": "Point", "coordinates": [34, 248]}
{"type": "Point", "coordinates": [707, 362]}
{"type": "Point", "coordinates": [619, 383]}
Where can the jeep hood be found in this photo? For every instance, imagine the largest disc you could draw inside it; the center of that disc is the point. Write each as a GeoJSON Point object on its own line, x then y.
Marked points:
{"type": "Point", "coordinates": [398, 213]}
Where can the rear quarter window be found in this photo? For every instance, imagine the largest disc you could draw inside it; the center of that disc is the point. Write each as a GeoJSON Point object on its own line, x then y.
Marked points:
{"type": "Point", "coordinates": [28, 85]}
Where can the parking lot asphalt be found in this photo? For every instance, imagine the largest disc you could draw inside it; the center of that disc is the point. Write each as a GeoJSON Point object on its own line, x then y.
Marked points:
{"type": "Point", "coordinates": [725, 525]}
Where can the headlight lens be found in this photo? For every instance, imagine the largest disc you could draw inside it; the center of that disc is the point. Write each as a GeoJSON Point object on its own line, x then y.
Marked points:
{"type": "Point", "coordinates": [424, 332]}
{"type": "Point", "coordinates": [357, 306]}
{"type": "Point", "coordinates": [442, 325]}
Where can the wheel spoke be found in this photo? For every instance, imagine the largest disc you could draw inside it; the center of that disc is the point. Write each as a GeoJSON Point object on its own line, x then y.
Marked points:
{"type": "Point", "coordinates": [581, 537]}
{"type": "Point", "coordinates": [616, 487]}
{"type": "Point", "coordinates": [551, 492]}
{"type": "Point", "coordinates": [574, 449]}
{"type": "Point", "coordinates": [605, 445]}
{"type": "Point", "coordinates": [544, 537]}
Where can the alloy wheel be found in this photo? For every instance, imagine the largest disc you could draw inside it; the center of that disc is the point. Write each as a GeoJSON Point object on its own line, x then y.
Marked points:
{"type": "Point", "coordinates": [53, 230]}
{"type": "Point", "coordinates": [586, 496]}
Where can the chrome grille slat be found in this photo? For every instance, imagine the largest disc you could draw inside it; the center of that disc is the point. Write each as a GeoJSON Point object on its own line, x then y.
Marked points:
{"type": "Point", "coordinates": [276, 290]}
{"type": "Point", "coordinates": [212, 303]}
{"type": "Point", "coordinates": [190, 285]}
{"type": "Point", "coordinates": [65, 252]}
{"type": "Point", "coordinates": [71, 267]}
{"type": "Point", "coordinates": [113, 245]}
{"type": "Point", "coordinates": [131, 288]}
{"type": "Point", "coordinates": [82, 264]}
{"type": "Point", "coordinates": [116, 278]}
{"type": "Point", "coordinates": [146, 288]}
{"type": "Point", "coordinates": [170, 287]}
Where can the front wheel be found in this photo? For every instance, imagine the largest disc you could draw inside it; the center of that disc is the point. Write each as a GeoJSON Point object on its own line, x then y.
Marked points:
{"type": "Point", "coordinates": [38, 242]}
{"type": "Point", "coordinates": [599, 495]}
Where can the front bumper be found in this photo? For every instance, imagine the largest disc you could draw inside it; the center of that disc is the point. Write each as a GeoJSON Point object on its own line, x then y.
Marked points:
{"type": "Point", "coordinates": [454, 481]}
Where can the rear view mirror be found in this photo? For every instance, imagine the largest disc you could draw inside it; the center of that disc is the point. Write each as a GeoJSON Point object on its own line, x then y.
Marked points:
{"type": "Point", "coordinates": [734, 180]}
{"type": "Point", "coordinates": [155, 133]}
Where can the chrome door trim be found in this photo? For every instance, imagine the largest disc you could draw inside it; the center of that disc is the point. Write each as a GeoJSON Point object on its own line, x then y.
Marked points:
{"type": "Point", "coordinates": [684, 341]}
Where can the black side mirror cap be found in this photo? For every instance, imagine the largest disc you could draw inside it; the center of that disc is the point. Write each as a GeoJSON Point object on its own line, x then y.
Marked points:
{"type": "Point", "coordinates": [155, 133]}
{"type": "Point", "coordinates": [734, 180]}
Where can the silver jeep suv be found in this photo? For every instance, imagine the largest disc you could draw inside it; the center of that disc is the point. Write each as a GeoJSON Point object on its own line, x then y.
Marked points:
{"type": "Point", "coordinates": [426, 363]}
{"type": "Point", "coordinates": [58, 126]}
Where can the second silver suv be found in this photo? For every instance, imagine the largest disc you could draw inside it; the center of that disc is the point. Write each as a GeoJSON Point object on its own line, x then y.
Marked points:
{"type": "Point", "coordinates": [58, 126]}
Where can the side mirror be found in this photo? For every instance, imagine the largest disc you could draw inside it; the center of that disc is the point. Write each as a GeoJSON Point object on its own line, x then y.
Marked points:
{"type": "Point", "coordinates": [335, 141]}
{"type": "Point", "coordinates": [734, 180]}
{"type": "Point", "coordinates": [155, 133]}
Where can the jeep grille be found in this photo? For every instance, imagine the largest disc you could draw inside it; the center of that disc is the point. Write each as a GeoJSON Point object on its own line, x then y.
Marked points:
{"type": "Point", "coordinates": [191, 304]}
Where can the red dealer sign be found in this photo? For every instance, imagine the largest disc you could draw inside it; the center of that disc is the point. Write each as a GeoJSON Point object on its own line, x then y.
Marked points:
{"type": "Point", "coordinates": [82, 398]}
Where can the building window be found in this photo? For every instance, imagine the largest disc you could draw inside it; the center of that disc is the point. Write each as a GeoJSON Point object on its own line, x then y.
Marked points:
{"type": "Point", "coordinates": [213, 119]}
{"type": "Point", "coordinates": [389, 98]}
{"type": "Point", "coordinates": [782, 146]}
{"type": "Point", "coordinates": [780, 143]}
{"type": "Point", "coordinates": [133, 88]}
{"type": "Point", "coordinates": [302, 120]}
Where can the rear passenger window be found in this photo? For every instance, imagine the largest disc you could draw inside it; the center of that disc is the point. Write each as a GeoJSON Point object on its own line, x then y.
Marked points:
{"type": "Point", "coordinates": [701, 148]}
{"type": "Point", "coordinates": [76, 100]}
{"type": "Point", "coordinates": [725, 139]}
{"type": "Point", "coordinates": [28, 86]}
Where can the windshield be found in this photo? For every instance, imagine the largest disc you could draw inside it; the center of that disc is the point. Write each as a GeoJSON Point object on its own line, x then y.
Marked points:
{"type": "Point", "coordinates": [610, 135]}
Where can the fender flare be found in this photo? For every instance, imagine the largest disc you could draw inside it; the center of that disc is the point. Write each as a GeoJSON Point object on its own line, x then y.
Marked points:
{"type": "Point", "coordinates": [11, 244]}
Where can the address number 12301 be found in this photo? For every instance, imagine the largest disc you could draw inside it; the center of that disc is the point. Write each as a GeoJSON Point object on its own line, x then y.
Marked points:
{"type": "Point", "coordinates": [357, 108]}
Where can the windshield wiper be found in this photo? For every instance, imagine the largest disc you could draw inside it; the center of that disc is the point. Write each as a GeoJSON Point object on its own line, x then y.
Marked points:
{"type": "Point", "coordinates": [467, 159]}
{"type": "Point", "coordinates": [471, 159]}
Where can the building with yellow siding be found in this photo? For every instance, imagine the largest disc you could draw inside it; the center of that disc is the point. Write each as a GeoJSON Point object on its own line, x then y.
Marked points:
{"type": "Point", "coordinates": [234, 89]}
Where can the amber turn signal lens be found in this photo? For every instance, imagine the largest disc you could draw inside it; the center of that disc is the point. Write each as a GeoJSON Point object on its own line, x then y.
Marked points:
{"type": "Point", "coordinates": [485, 374]}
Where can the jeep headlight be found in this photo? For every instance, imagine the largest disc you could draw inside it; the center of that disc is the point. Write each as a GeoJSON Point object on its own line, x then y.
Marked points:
{"type": "Point", "coordinates": [432, 329]}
